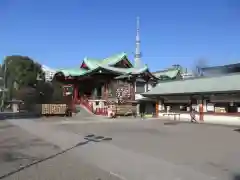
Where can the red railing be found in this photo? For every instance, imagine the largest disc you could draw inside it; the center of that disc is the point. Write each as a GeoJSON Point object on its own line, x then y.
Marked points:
{"type": "Point", "coordinates": [85, 102]}
{"type": "Point", "coordinates": [101, 111]}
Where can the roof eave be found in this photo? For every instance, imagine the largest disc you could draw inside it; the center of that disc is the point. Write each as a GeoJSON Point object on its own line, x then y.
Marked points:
{"type": "Point", "coordinates": [148, 94]}
{"type": "Point", "coordinates": [99, 69]}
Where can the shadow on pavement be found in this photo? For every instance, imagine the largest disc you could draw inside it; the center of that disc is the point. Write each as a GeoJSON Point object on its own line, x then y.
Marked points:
{"type": "Point", "coordinates": [236, 177]}
{"type": "Point", "coordinates": [19, 115]}
{"type": "Point", "coordinates": [171, 123]}
{"type": "Point", "coordinates": [237, 130]}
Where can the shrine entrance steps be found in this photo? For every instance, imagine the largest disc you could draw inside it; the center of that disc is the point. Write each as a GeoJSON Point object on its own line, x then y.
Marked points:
{"type": "Point", "coordinates": [82, 111]}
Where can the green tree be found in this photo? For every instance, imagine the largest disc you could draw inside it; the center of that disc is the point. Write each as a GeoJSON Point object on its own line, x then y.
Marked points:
{"type": "Point", "coordinates": [57, 95]}
{"type": "Point", "coordinates": [44, 91]}
{"type": "Point", "coordinates": [21, 71]}
{"type": "Point", "coordinates": [28, 95]}
{"type": "Point", "coordinates": [25, 81]}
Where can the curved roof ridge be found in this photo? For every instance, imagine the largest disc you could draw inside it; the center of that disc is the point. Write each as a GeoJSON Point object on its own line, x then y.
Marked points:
{"type": "Point", "coordinates": [111, 60]}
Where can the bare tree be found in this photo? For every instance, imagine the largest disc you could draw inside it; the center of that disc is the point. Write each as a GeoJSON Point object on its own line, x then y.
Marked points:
{"type": "Point", "coordinates": [198, 66]}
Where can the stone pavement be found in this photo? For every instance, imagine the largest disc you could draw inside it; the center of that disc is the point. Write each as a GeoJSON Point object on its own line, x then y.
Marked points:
{"type": "Point", "coordinates": [20, 148]}
{"type": "Point", "coordinates": [123, 163]}
{"type": "Point", "coordinates": [208, 119]}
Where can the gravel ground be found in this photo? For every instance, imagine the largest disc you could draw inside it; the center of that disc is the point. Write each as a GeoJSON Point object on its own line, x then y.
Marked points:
{"type": "Point", "coordinates": [140, 150]}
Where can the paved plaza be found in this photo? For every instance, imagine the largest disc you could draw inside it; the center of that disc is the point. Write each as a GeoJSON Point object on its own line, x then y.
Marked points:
{"type": "Point", "coordinates": [139, 150]}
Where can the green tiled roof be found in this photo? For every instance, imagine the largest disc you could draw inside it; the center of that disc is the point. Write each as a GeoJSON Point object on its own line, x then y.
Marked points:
{"type": "Point", "coordinates": [114, 59]}
{"type": "Point", "coordinates": [91, 63]}
{"type": "Point", "coordinates": [72, 71]}
{"type": "Point", "coordinates": [199, 85]}
{"type": "Point", "coordinates": [125, 70]}
{"type": "Point", "coordinates": [169, 73]}
{"type": "Point", "coordinates": [105, 64]}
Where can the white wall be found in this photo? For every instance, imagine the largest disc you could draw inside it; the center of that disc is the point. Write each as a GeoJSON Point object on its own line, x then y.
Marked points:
{"type": "Point", "coordinates": [49, 73]}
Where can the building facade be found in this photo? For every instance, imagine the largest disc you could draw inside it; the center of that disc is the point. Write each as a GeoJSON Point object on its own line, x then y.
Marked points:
{"type": "Point", "coordinates": [98, 83]}
{"type": "Point", "coordinates": [218, 92]}
{"type": "Point", "coordinates": [148, 105]}
{"type": "Point", "coordinates": [49, 73]}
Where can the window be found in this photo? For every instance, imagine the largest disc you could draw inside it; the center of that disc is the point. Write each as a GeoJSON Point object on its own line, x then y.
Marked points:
{"type": "Point", "coordinates": [140, 87]}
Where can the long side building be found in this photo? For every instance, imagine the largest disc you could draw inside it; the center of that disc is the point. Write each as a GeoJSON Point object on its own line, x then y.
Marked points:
{"type": "Point", "coordinates": [216, 93]}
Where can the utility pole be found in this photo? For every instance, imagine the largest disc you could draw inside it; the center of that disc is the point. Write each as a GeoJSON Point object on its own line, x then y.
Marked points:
{"type": "Point", "coordinates": [4, 84]}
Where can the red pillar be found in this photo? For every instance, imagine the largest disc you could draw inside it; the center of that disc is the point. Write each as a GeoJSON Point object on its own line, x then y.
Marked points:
{"type": "Point", "coordinates": [201, 113]}
{"type": "Point", "coordinates": [157, 108]}
{"type": "Point", "coordinates": [75, 93]}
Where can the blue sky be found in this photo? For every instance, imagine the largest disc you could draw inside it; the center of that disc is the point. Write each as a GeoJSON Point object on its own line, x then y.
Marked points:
{"type": "Point", "coordinates": [61, 33]}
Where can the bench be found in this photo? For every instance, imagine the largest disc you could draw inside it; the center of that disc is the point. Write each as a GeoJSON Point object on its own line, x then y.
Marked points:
{"type": "Point", "coordinates": [172, 114]}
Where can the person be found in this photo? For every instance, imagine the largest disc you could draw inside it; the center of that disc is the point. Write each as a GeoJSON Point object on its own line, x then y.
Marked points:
{"type": "Point", "coordinates": [142, 115]}
{"type": "Point", "coordinates": [142, 111]}
{"type": "Point", "coordinates": [193, 115]}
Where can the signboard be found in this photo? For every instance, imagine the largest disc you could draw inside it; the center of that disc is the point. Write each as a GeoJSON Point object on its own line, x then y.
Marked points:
{"type": "Point", "coordinates": [54, 109]}
{"type": "Point", "coordinates": [210, 107]}
{"type": "Point", "coordinates": [67, 90]}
